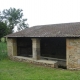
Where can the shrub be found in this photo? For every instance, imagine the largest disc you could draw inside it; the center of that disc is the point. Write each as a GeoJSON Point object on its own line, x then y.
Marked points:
{"type": "Point", "coordinates": [3, 39]}
{"type": "Point", "coordinates": [3, 50]}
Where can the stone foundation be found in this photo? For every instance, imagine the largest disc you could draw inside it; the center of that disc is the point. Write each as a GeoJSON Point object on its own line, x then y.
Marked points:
{"type": "Point", "coordinates": [52, 64]}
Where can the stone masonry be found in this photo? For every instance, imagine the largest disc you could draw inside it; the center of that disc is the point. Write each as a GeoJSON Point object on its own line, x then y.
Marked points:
{"type": "Point", "coordinates": [46, 63]}
{"type": "Point", "coordinates": [36, 48]}
{"type": "Point", "coordinates": [73, 53]}
{"type": "Point", "coordinates": [12, 47]}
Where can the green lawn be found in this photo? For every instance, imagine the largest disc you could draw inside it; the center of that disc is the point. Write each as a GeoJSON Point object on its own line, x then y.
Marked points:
{"type": "Point", "coordinates": [11, 70]}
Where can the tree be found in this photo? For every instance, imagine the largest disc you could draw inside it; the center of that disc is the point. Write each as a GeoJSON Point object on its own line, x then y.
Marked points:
{"type": "Point", "coordinates": [3, 29]}
{"type": "Point", "coordinates": [13, 18]}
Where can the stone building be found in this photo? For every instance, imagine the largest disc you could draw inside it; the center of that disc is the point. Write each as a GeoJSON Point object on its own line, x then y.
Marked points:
{"type": "Point", "coordinates": [55, 45]}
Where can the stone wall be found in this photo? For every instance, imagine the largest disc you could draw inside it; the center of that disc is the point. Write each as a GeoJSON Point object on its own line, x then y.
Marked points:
{"type": "Point", "coordinates": [73, 53]}
{"type": "Point", "coordinates": [11, 47]}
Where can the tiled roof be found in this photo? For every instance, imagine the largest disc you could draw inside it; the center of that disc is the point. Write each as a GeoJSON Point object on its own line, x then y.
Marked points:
{"type": "Point", "coordinates": [53, 30]}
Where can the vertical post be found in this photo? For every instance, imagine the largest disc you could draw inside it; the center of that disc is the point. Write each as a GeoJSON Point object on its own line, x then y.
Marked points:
{"type": "Point", "coordinates": [12, 47]}
{"type": "Point", "coordinates": [36, 48]}
{"type": "Point", "coordinates": [67, 53]}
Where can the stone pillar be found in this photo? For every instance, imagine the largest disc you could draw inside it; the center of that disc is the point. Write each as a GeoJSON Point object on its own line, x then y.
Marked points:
{"type": "Point", "coordinates": [73, 53]}
{"type": "Point", "coordinates": [12, 47]}
{"type": "Point", "coordinates": [36, 48]}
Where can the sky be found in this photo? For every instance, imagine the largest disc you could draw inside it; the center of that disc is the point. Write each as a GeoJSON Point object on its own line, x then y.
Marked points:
{"type": "Point", "coordinates": [41, 12]}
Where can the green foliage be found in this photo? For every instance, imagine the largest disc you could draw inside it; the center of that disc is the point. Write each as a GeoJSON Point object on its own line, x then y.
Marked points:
{"type": "Point", "coordinates": [3, 50]}
{"type": "Point", "coordinates": [3, 29]}
{"type": "Point", "coordinates": [3, 39]}
{"type": "Point", "coordinates": [13, 17]}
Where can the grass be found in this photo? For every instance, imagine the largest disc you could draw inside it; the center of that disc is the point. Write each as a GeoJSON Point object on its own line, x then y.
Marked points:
{"type": "Point", "coordinates": [12, 70]}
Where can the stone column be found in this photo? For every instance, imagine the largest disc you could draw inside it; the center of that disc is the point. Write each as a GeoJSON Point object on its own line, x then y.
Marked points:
{"type": "Point", "coordinates": [36, 48]}
{"type": "Point", "coordinates": [12, 47]}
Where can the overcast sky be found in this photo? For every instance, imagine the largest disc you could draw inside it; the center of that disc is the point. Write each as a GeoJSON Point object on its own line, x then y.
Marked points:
{"type": "Point", "coordinates": [41, 12]}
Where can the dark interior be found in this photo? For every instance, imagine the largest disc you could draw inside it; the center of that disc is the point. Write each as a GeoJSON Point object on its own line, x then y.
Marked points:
{"type": "Point", "coordinates": [53, 47]}
{"type": "Point", "coordinates": [24, 47]}
{"type": "Point", "coordinates": [50, 47]}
